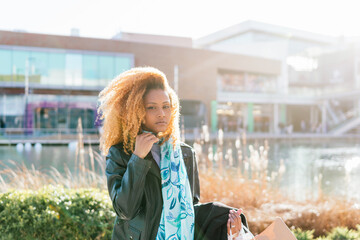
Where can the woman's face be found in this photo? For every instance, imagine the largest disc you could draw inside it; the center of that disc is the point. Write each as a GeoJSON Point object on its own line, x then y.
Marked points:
{"type": "Point", "coordinates": [158, 111]}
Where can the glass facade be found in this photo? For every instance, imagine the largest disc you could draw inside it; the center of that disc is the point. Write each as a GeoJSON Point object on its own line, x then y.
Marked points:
{"type": "Point", "coordinates": [247, 82]}
{"type": "Point", "coordinates": [239, 39]}
{"type": "Point", "coordinates": [5, 66]}
{"type": "Point", "coordinates": [61, 67]}
{"type": "Point", "coordinates": [48, 111]}
{"type": "Point", "coordinates": [249, 38]}
{"type": "Point", "coordinates": [297, 46]}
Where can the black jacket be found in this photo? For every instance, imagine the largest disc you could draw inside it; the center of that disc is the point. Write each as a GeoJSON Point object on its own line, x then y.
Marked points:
{"type": "Point", "coordinates": [134, 186]}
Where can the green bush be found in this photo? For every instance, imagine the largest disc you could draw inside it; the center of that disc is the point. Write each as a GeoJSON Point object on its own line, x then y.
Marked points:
{"type": "Point", "coordinates": [60, 213]}
{"type": "Point", "coordinates": [56, 213]}
{"type": "Point", "coordinates": [343, 233]}
{"type": "Point", "coordinates": [303, 235]}
{"type": "Point", "coordinates": [338, 233]}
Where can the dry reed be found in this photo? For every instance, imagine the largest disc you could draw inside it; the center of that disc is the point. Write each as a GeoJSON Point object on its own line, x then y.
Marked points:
{"type": "Point", "coordinates": [251, 189]}
{"type": "Point", "coordinates": [18, 176]}
{"type": "Point", "coordinates": [248, 188]}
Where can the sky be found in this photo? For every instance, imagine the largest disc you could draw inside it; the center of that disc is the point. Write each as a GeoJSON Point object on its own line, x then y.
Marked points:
{"type": "Point", "coordinates": [187, 18]}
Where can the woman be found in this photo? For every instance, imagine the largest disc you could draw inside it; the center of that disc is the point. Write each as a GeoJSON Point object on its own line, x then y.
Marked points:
{"type": "Point", "coordinates": [152, 177]}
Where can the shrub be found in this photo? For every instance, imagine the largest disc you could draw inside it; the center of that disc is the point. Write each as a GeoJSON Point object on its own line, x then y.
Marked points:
{"type": "Point", "coordinates": [343, 233]}
{"type": "Point", "coordinates": [56, 213]}
{"type": "Point", "coordinates": [303, 235]}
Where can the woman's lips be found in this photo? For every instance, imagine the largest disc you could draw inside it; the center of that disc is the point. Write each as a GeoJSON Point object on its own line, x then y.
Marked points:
{"type": "Point", "coordinates": [161, 123]}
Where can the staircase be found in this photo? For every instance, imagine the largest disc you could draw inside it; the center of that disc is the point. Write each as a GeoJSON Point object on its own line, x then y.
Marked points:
{"type": "Point", "coordinates": [346, 126]}
{"type": "Point", "coordinates": [341, 122]}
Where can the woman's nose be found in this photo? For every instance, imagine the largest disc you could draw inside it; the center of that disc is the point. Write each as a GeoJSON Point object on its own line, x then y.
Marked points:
{"type": "Point", "coordinates": [161, 112]}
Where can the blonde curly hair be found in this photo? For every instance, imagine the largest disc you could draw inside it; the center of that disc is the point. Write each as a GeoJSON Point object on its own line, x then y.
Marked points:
{"type": "Point", "coordinates": [121, 106]}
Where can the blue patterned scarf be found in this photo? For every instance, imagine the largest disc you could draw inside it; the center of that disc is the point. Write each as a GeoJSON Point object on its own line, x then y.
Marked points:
{"type": "Point", "coordinates": [177, 217]}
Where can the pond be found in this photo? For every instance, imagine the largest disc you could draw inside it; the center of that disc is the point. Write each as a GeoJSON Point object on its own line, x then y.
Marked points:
{"type": "Point", "coordinates": [311, 166]}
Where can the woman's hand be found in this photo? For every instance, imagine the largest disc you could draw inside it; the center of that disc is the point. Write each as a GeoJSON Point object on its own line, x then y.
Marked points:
{"type": "Point", "coordinates": [234, 222]}
{"type": "Point", "coordinates": [144, 143]}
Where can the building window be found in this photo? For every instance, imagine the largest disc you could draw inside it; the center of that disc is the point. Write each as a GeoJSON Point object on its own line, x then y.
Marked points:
{"type": "Point", "coordinates": [90, 70]}
{"type": "Point", "coordinates": [247, 82]}
{"type": "Point", "coordinates": [61, 67]}
{"type": "Point", "coordinates": [5, 65]}
{"type": "Point", "coordinates": [56, 69]}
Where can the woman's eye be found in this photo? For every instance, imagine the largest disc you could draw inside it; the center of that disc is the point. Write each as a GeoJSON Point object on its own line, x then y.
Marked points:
{"type": "Point", "coordinates": [165, 107]}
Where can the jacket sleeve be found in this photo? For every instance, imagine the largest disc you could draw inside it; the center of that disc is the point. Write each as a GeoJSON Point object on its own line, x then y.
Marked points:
{"type": "Point", "coordinates": [125, 182]}
{"type": "Point", "coordinates": [196, 182]}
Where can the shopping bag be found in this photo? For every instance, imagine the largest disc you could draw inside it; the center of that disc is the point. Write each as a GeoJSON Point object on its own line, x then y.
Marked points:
{"type": "Point", "coordinates": [276, 231]}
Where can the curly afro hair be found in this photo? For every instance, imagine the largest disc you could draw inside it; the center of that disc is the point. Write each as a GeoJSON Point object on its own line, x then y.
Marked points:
{"type": "Point", "coordinates": [122, 107]}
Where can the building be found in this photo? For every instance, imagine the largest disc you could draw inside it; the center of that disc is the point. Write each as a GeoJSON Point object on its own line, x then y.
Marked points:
{"type": "Point", "coordinates": [48, 82]}
{"type": "Point", "coordinates": [316, 91]}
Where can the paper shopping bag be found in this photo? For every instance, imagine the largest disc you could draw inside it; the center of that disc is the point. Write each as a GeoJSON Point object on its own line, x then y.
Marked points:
{"type": "Point", "coordinates": [276, 231]}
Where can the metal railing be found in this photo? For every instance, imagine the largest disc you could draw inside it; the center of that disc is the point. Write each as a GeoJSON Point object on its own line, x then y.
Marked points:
{"type": "Point", "coordinates": [45, 133]}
